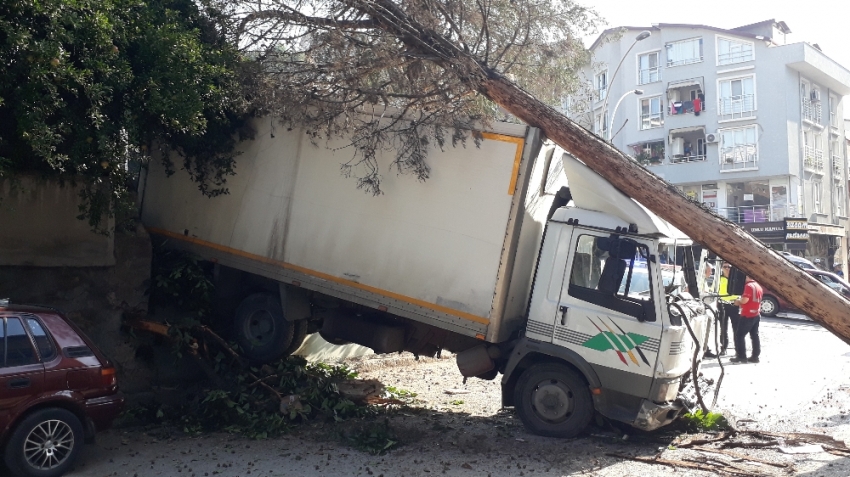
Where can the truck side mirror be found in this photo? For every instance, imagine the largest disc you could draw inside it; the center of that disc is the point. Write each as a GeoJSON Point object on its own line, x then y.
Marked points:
{"type": "Point", "coordinates": [737, 279]}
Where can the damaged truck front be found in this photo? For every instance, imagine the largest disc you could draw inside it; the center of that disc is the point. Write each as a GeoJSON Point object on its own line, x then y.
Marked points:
{"type": "Point", "coordinates": [514, 255]}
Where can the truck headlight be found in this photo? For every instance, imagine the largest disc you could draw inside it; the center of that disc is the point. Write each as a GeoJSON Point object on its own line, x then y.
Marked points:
{"type": "Point", "coordinates": [665, 390]}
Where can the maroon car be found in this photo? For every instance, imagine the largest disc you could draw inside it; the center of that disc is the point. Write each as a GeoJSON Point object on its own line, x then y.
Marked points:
{"type": "Point", "coordinates": [56, 390]}
{"type": "Point", "coordinates": [771, 303]}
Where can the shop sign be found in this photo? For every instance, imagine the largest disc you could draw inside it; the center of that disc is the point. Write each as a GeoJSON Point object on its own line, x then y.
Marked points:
{"type": "Point", "coordinates": [797, 224]}
{"type": "Point", "coordinates": [797, 230]}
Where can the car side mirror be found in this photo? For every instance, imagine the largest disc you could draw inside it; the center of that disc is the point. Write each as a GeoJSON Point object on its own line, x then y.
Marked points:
{"type": "Point", "coordinates": [737, 279]}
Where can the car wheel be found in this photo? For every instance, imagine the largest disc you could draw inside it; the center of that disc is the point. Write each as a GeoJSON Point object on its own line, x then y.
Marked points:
{"type": "Point", "coordinates": [45, 444]}
{"type": "Point", "coordinates": [260, 329]}
{"type": "Point", "coordinates": [553, 400]}
{"type": "Point", "coordinates": [769, 306]}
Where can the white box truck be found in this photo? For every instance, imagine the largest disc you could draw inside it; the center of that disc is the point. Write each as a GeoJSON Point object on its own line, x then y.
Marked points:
{"type": "Point", "coordinates": [514, 255]}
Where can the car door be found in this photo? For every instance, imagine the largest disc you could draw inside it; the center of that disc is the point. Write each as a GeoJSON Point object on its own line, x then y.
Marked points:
{"type": "Point", "coordinates": [21, 372]}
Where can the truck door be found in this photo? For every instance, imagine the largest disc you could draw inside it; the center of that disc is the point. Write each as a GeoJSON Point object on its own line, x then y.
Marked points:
{"type": "Point", "coordinates": [607, 313]}
{"type": "Point", "coordinates": [551, 266]}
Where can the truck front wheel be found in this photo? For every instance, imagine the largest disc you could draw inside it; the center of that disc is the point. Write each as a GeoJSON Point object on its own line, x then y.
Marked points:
{"type": "Point", "coordinates": [260, 329]}
{"type": "Point", "coordinates": [553, 400]}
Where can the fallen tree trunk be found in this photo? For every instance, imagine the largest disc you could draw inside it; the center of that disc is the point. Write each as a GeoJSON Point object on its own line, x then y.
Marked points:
{"type": "Point", "coordinates": [726, 239]}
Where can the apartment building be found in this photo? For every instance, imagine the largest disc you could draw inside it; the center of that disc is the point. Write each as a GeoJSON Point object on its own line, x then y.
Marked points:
{"type": "Point", "coordinates": [738, 119]}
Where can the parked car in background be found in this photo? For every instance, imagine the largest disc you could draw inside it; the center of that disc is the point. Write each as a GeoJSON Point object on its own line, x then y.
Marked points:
{"type": "Point", "coordinates": [801, 262]}
{"type": "Point", "coordinates": [56, 390]}
{"type": "Point", "coordinates": [771, 303]}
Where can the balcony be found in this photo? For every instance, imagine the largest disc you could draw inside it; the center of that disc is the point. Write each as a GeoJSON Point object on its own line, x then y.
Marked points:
{"type": "Point", "coordinates": [686, 96]}
{"type": "Point", "coordinates": [687, 145]}
{"type": "Point", "coordinates": [739, 157]}
{"type": "Point", "coordinates": [812, 112]}
{"type": "Point", "coordinates": [750, 214]}
{"type": "Point", "coordinates": [813, 160]}
{"type": "Point", "coordinates": [649, 153]}
{"type": "Point", "coordinates": [741, 106]}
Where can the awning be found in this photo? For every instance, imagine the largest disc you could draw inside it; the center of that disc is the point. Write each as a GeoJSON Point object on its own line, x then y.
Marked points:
{"type": "Point", "coordinates": [685, 83]}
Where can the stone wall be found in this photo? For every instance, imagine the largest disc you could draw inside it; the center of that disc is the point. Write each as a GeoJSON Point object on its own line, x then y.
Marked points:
{"type": "Point", "coordinates": [39, 226]}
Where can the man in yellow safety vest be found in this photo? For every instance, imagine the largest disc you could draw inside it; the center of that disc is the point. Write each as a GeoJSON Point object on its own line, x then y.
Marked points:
{"type": "Point", "coordinates": [730, 310]}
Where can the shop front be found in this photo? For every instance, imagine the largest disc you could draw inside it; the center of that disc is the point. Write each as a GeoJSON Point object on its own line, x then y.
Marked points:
{"type": "Point", "coordinates": [786, 235]}
{"type": "Point", "coordinates": [826, 245]}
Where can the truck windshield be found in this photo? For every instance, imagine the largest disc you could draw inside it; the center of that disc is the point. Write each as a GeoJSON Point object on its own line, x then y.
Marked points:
{"type": "Point", "coordinates": [640, 279]}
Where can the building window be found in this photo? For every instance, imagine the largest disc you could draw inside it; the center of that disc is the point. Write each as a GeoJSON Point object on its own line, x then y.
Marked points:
{"type": "Point", "coordinates": [731, 51]}
{"type": "Point", "coordinates": [737, 99]}
{"type": "Point", "coordinates": [835, 157]}
{"type": "Point", "coordinates": [600, 123]}
{"type": "Point", "coordinates": [813, 158]}
{"type": "Point", "coordinates": [601, 85]}
{"type": "Point", "coordinates": [810, 96]}
{"type": "Point", "coordinates": [738, 148]}
{"type": "Point", "coordinates": [817, 196]}
{"type": "Point", "coordinates": [651, 113]}
{"type": "Point", "coordinates": [684, 52]}
{"type": "Point", "coordinates": [649, 70]}
{"type": "Point", "coordinates": [838, 204]}
{"type": "Point", "coordinates": [833, 111]}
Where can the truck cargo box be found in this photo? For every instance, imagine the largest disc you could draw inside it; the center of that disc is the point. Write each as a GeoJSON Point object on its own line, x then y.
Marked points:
{"type": "Point", "coordinates": [456, 251]}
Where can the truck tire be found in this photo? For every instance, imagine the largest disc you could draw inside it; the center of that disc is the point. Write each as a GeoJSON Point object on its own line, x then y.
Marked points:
{"type": "Point", "coordinates": [297, 336]}
{"type": "Point", "coordinates": [45, 444]}
{"type": "Point", "coordinates": [260, 329]}
{"type": "Point", "coordinates": [553, 400]}
{"type": "Point", "coordinates": [769, 306]}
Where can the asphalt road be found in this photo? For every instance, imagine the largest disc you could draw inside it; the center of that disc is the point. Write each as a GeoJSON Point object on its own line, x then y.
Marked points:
{"type": "Point", "coordinates": [802, 384]}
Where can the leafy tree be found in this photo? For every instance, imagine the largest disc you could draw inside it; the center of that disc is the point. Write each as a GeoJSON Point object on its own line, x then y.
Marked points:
{"type": "Point", "coordinates": [89, 86]}
{"type": "Point", "coordinates": [326, 62]}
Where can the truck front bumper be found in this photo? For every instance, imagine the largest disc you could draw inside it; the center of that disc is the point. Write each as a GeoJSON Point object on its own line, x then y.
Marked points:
{"type": "Point", "coordinates": [651, 416]}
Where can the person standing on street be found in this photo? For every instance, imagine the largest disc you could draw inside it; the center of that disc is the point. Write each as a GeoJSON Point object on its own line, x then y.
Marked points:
{"type": "Point", "coordinates": [748, 324]}
{"type": "Point", "coordinates": [730, 311]}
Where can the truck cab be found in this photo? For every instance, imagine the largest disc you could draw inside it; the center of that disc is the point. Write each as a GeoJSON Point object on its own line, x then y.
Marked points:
{"type": "Point", "coordinates": [614, 296]}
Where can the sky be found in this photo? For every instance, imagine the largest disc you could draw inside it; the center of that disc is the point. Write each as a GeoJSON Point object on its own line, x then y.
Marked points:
{"type": "Point", "coordinates": [825, 22]}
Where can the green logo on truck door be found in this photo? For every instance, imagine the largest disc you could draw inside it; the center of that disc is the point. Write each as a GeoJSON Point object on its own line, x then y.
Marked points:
{"type": "Point", "coordinates": [621, 343]}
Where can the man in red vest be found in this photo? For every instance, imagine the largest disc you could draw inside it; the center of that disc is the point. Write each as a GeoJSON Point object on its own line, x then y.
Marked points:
{"type": "Point", "coordinates": [750, 301]}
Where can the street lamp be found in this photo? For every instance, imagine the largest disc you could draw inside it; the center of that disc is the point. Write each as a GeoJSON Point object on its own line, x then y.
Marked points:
{"type": "Point", "coordinates": [616, 106]}
{"type": "Point", "coordinates": [641, 36]}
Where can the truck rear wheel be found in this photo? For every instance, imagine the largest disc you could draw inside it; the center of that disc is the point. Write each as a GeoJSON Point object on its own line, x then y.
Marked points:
{"type": "Point", "coordinates": [298, 336]}
{"type": "Point", "coordinates": [260, 329]}
{"type": "Point", "coordinates": [553, 400]}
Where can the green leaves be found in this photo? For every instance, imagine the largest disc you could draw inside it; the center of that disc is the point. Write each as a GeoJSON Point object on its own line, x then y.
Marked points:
{"type": "Point", "coordinates": [89, 86]}
{"type": "Point", "coordinates": [700, 421]}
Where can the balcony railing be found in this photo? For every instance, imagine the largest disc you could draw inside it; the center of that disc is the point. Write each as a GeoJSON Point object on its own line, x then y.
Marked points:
{"type": "Point", "coordinates": [755, 213]}
{"type": "Point", "coordinates": [743, 156]}
{"type": "Point", "coordinates": [736, 107]}
{"type": "Point", "coordinates": [682, 159]}
{"type": "Point", "coordinates": [651, 120]}
{"type": "Point", "coordinates": [813, 160]}
{"type": "Point", "coordinates": [812, 111]}
{"type": "Point", "coordinates": [650, 75]}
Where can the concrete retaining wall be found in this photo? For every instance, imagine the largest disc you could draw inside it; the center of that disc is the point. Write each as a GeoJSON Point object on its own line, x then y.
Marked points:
{"type": "Point", "coordinates": [39, 227]}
